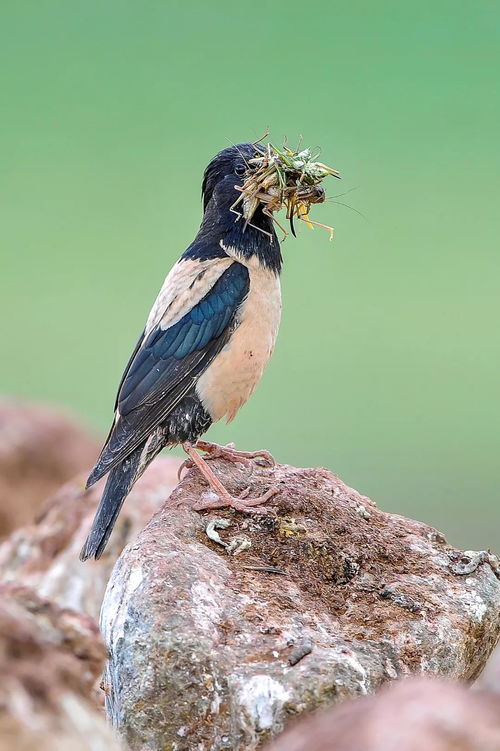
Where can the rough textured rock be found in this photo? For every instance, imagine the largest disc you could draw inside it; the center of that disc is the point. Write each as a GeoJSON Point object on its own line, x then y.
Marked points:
{"type": "Point", "coordinates": [45, 555]}
{"type": "Point", "coordinates": [211, 650]}
{"type": "Point", "coordinates": [40, 448]}
{"type": "Point", "coordinates": [50, 659]}
{"type": "Point", "coordinates": [413, 715]}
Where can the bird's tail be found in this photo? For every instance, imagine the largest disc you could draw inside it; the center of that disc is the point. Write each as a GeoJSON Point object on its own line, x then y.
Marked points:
{"type": "Point", "coordinates": [118, 486]}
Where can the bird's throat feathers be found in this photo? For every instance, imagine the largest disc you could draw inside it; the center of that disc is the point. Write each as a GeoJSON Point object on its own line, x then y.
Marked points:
{"type": "Point", "coordinates": [225, 232]}
{"type": "Point", "coordinates": [253, 245]}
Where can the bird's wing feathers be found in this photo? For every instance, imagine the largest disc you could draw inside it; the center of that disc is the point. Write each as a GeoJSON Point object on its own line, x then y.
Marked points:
{"type": "Point", "coordinates": [127, 368]}
{"type": "Point", "coordinates": [188, 281]}
{"type": "Point", "coordinates": [177, 346]}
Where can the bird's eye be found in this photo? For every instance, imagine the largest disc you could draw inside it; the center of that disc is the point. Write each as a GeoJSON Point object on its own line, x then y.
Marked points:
{"type": "Point", "coordinates": [240, 169]}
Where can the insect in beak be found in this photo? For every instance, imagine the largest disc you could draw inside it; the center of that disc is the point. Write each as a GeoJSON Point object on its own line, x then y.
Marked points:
{"type": "Point", "coordinates": [283, 179]}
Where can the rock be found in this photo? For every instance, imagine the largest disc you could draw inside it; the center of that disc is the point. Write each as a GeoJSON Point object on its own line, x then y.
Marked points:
{"type": "Point", "coordinates": [412, 715]}
{"type": "Point", "coordinates": [40, 448]}
{"type": "Point", "coordinates": [50, 659]}
{"type": "Point", "coordinates": [489, 680]}
{"type": "Point", "coordinates": [45, 555]}
{"type": "Point", "coordinates": [327, 598]}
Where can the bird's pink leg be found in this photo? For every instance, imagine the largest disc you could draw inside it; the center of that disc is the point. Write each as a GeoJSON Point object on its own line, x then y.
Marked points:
{"type": "Point", "coordinates": [229, 453]}
{"type": "Point", "coordinates": [224, 497]}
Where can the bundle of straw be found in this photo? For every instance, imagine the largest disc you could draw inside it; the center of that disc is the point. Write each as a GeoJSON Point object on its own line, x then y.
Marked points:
{"type": "Point", "coordinates": [283, 179]}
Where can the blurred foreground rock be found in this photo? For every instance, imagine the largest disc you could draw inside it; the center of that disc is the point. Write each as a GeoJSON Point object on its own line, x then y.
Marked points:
{"type": "Point", "coordinates": [50, 659]}
{"type": "Point", "coordinates": [40, 448]}
{"type": "Point", "coordinates": [327, 598]}
{"type": "Point", "coordinates": [413, 715]}
{"type": "Point", "coordinates": [489, 680]}
{"type": "Point", "coordinates": [45, 555]}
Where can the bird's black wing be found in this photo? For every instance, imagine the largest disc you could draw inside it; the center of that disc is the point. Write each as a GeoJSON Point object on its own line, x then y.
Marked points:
{"type": "Point", "coordinates": [167, 363]}
{"type": "Point", "coordinates": [127, 366]}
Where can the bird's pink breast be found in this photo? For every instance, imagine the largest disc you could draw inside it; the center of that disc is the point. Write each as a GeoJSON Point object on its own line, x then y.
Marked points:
{"type": "Point", "coordinates": [232, 377]}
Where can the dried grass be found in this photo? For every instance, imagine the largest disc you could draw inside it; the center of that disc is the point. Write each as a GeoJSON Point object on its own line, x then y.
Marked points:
{"type": "Point", "coordinates": [278, 179]}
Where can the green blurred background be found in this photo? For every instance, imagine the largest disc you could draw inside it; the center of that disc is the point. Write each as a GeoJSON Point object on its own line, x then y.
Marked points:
{"type": "Point", "coordinates": [386, 368]}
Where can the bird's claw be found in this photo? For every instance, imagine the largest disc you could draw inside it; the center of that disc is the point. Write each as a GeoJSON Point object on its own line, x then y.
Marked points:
{"type": "Point", "coordinates": [231, 454]}
{"type": "Point", "coordinates": [186, 464]}
{"type": "Point", "coordinates": [239, 503]}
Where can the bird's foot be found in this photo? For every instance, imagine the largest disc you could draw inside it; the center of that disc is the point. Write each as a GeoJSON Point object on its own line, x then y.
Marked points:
{"type": "Point", "coordinates": [239, 503]}
{"type": "Point", "coordinates": [220, 497]}
{"type": "Point", "coordinates": [229, 453]}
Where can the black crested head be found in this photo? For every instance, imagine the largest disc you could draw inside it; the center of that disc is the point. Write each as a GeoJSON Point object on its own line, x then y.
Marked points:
{"type": "Point", "coordinates": [227, 169]}
{"type": "Point", "coordinates": [228, 227]}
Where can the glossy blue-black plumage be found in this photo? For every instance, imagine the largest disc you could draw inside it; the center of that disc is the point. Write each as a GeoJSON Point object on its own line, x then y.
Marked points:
{"type": "Point", "coordinates": [156, 365]}
{"type": "Point", "coordinates": [157, 403]}
{"type": "Point", "coordinates": [167, 363]}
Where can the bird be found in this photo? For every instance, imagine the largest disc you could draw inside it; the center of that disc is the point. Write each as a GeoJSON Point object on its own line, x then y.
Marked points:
{"type": "Point", "coordinates": [206, 342]}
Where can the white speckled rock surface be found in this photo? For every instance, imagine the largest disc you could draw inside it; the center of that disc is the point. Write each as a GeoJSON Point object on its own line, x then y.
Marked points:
{"type": "Point", "coordinates": [212, 651]}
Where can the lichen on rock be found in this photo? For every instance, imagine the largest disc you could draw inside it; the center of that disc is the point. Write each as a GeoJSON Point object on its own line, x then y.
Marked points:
{"type": "Point", "coordinates": [332, 598]}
